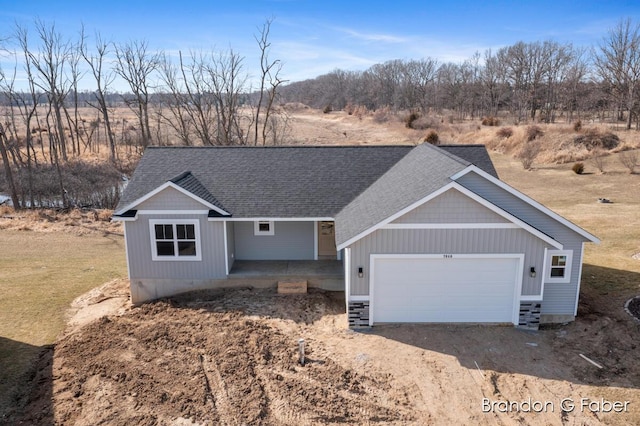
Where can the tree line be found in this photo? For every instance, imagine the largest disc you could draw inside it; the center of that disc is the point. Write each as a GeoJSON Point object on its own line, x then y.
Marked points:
{"type": "Point", "coordinates": [537, 81]}
{"type": "Point", "coordinates": [200, 97]}
{"type": "Point", "coordinates": [210, 98]}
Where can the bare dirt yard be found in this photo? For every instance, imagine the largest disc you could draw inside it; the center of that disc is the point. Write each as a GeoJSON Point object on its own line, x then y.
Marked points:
{"type": "Point", "coordinates": [231, 356]}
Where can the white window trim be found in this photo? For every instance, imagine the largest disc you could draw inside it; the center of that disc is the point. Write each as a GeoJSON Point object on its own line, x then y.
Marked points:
{"type": "Point", "coordinates": [257, 231]}
{"type": "Point", "coordinates": [176, 257]}
{"type": "Point", "coordinates": [547, 270]}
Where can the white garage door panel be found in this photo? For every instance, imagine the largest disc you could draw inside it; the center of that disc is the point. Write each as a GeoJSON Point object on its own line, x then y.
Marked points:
{"type": "Point", "coordinates": [444, 290]}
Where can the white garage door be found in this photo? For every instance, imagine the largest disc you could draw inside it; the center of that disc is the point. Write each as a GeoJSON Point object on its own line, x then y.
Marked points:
{"type": "Point", "coordinates": [438, 289]}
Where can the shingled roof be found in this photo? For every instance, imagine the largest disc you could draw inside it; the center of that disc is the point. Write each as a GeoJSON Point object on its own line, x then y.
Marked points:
{"type": "Point", "coordinates": [188, 182]}
{"type": "Point", "coordinates": [292, 182]}
{"type": "Point", "coordinates": [421, 172]}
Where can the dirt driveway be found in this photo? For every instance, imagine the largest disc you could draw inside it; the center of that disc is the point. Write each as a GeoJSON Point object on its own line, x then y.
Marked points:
{"type": "Point", "coordinates": [230, 357]}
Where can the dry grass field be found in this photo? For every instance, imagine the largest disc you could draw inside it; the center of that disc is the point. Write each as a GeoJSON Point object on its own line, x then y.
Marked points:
{"type": "Point", "coordinates": [229, 357]}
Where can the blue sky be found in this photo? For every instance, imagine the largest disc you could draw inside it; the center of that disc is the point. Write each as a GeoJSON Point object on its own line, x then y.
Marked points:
{"type": "Point", "coordinates": [313, 37]}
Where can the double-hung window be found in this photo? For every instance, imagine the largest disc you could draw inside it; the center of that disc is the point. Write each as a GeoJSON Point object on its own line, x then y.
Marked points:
{"type": "Point", "coordinates": [559, 266]}
{"type": "Point", "coordinates": [175, 239]}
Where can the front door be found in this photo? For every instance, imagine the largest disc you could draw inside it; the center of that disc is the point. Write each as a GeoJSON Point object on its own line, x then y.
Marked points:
{"type": "Point", "coordinates": [326, 239]}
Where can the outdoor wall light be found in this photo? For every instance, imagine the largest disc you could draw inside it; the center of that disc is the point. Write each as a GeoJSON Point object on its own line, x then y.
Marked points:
{"type": "Point", "coordinates": [360, 272]}
{"type": "Point", "coordinates": [532, 272]}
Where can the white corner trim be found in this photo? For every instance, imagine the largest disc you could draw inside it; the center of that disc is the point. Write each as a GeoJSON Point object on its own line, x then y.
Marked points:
{"type": "Point", "coordinates": [528, 200]}
{"type": "Point", "coordinates": [226, 248]}
{"type": "Point", "coordinates": [166, 185]}
{"type": "Point", "coordinates": [579, 284]}
{"type": "Point", "coordinates": [347, 277]}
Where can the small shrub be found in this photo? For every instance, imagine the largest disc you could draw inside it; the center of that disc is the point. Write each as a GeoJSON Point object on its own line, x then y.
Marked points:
{"type": "Point", "coordinates": [578, 168]}
{"type": "Point", "coordinates": [534, 132]}
{"type": "Point", "coordinates": [432, 138]}
{"type": "Point", "coordinates": [505, 132]}
{"type": "Point", "coordinates": [327, 109]}
{"type": "Point", "coordinates": [349, 108]}
{"type": "Point", "coordinates": [528, 154]}
{"type": "Point", "coordinates": [629, 159]}
{"type": "Point", "coordinates": [593, 139]}
{"type": "Point", "coordinates": [381, 115]}
{"type": "Point", "coordinates": [577, 126]}
{"type": "Point", "coordinates": [424, 123]}
{"type": "Point", "coordinates": [597, 159]}
{"type": "Point", "coordinates": [408, 121]}
{"type": "Point", "coordinates": [490, 121]}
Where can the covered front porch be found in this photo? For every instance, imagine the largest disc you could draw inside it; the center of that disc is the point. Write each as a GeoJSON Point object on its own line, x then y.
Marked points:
{"type": "Point", "coordinates": [325, 274]}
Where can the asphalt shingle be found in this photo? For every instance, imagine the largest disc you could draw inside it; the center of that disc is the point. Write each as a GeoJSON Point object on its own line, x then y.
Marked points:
{"type": "Point", "coordinates": [358, 185]}
{"type": "Point", "coordinates": [421, 172]}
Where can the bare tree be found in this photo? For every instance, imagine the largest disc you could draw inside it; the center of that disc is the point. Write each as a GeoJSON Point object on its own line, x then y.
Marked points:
{"type": "Point", "coordinates": [13, 192]}
{"type": "Point", "coordinates": [176, 98]}
{"type": "Point", "coordinates": [228, 82]}
{"type": "Point", "coordinates": [269, 82]}
{"type": "Point", "coordinates": [50, 62]}
{"type": "Point", "coordinates": [103, 78]}
{"type": "Point", "coordinates": [617, 62]}
{"type": "Point", "coordinates": [135, 64]}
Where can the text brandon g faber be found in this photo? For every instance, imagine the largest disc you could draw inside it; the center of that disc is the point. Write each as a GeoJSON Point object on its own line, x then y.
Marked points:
{"type": "Point", "coordinates": [567, 404]}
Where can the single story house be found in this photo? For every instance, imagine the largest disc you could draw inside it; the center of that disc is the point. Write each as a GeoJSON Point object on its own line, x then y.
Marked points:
{"type": "Point", "coordinates": [421, 233]}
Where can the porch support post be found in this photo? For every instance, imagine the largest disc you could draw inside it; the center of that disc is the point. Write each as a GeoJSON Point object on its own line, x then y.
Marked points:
{"type": "Point", "coordinates": [315, 240]}
{"type": "Point", "coordinates": [226, 248]}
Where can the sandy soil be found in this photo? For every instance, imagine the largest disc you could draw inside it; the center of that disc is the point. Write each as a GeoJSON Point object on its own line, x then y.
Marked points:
{"type": "Point", "coordinates": [231, 357]}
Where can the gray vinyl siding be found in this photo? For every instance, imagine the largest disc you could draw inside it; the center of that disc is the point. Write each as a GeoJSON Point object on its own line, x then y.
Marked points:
{"type": "Point", "coordinates": [447, 241]}
{"type": "Point", "coordinates": [520, 209]}
{"type": "Point", "coordinates": [141, 266]}
{"type": "Point", "coordinates": [558, 298]}
{"type": "Point", "coordinates": [231, 243]}
{"type": "Point", "coordinates": [291, 241]}
{"type": "Point", "coordinates": [171, 199]}
{"type": "Point", "coordinates": [451, 207]}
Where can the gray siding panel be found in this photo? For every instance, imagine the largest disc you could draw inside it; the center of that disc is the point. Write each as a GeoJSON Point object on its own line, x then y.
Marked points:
{"type": "Point", "coordinates": [519, 208]}
{"type": "Point", "coordinates": [451, 207]}
{"type": "Point", "coordinates": [291, 241]}
{"type": "Point", "coordinates": [171, 199]}
{"type": "Point", "coordinates": [447, 241]}
{"type": "Point", "coordinates": [558, 298]}
{"type": "Point", "coordinates": [141, 266]}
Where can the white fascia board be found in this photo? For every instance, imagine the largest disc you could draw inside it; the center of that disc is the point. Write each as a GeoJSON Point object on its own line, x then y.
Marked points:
{"type": "Point", "coordinates": [454, 185]}
{"type": "Point", "coordinates": [395, 216]}
{"type": "Point", "coordinates": [272, 219]}
{"type": "Point", "coordinates": [115, 218]}
{"type": "Point", "coordinates": [528, 200]}
{"type": "Point", "coordinates": [177, 188]}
